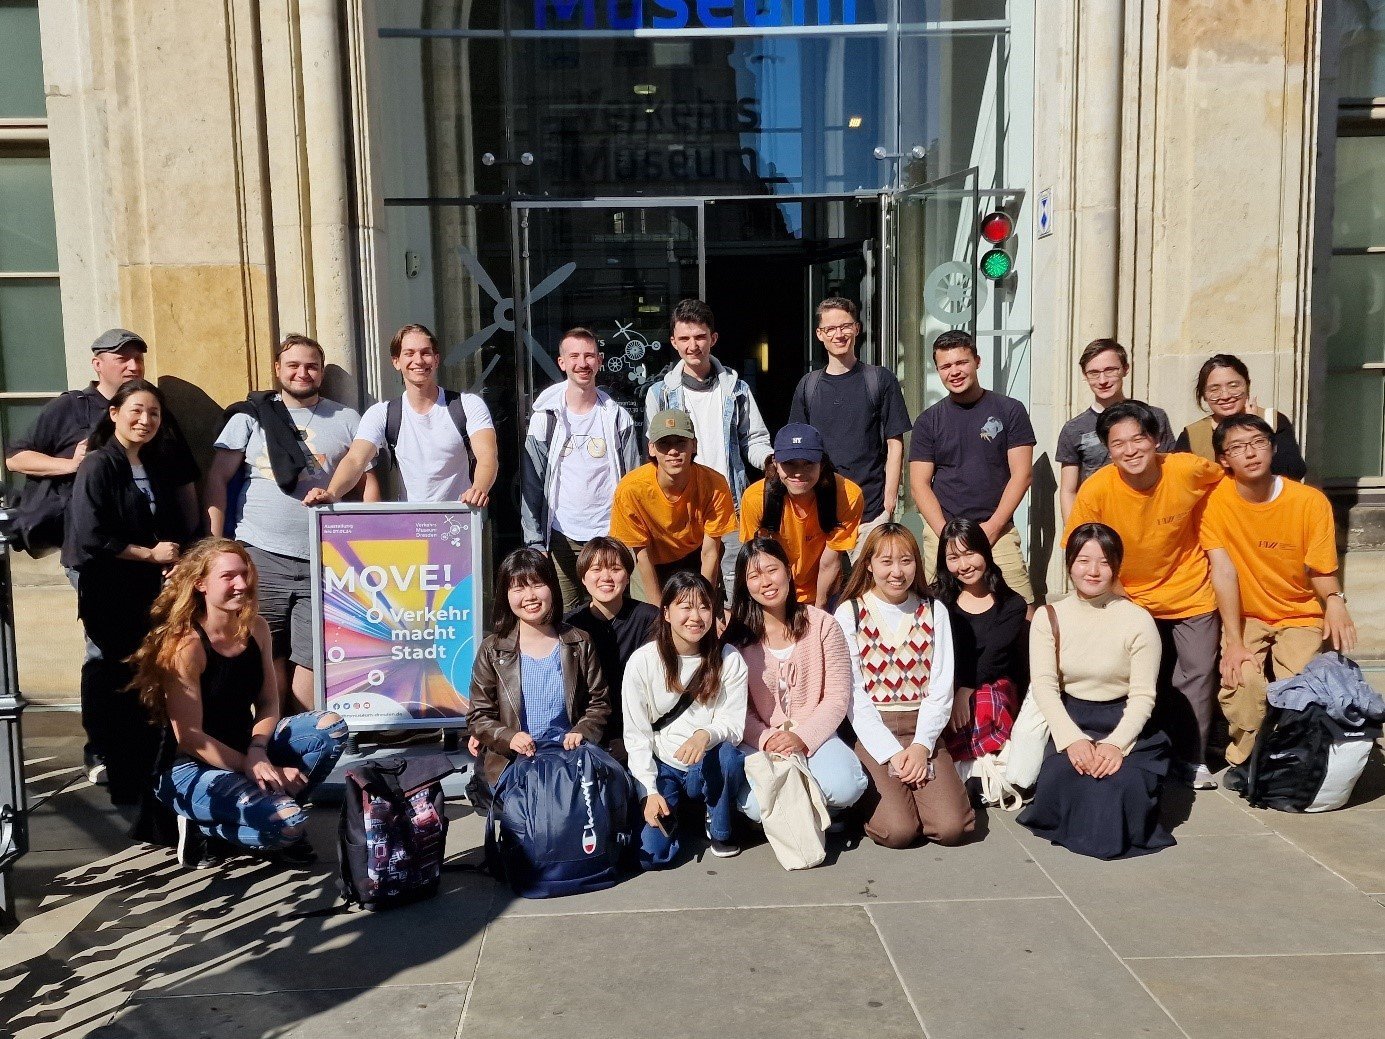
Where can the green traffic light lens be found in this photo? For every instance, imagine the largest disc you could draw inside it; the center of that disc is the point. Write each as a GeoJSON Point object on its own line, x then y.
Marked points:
{"type": "Point", "coordinates": [996, 264]}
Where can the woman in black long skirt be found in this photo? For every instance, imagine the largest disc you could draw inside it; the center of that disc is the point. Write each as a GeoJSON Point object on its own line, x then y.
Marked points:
{"type": "Point", "coordinates": [124, 528]}
{"type": "Point", "coordinates": [1094, 658]}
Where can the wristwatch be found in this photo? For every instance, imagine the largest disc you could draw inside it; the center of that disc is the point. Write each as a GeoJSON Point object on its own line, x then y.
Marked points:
{"type": "Point", "coordinates": [1340, 595]}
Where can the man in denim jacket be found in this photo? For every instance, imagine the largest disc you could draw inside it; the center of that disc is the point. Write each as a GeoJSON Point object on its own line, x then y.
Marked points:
{"type": "Point", "coordinates": [731, 435]}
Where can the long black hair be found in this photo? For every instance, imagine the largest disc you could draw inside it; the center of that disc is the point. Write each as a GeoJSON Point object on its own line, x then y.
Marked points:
{"type": "Point", "coordinates": [825, 491]}
{"type": "Point", "coordinates": [523, 566]}
{"type": "Point", "coordinates": [706, 680]}
{"type": "Point", "coordinates": [105, 429]}
{"type": "Point", "coordinates": [747, 625]}
{"type": "Point", "coordinates": [970, 535]}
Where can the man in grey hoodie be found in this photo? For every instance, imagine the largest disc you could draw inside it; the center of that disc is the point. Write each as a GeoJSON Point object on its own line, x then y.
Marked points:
{"type": "Point", "coordinates": [580, 443]}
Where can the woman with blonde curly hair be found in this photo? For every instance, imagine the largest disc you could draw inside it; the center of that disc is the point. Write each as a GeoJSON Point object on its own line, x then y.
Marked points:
{"type": "Point", "coordinates": [229, 766]}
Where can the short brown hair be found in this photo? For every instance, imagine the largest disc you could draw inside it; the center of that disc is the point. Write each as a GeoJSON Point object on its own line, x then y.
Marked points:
{"type": "Point", "coordinates": [692, 312]}
{"type": "Point", "coordinates": [294, 339]}
{"type": "Point", "coordinates": [584, 334]}
{"type": "Point", "coordinates": [955, 339]}
{"type": "Point", "coordinates": [839, 303]}
{"type": "Point", "coordinates": [1101, 346]}
{"type": "Point", "coordinates": [397, 343]}
{"type": "Point", "coordinates": [606, 550]}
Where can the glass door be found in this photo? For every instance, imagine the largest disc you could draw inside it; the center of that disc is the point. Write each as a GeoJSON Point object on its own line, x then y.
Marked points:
{"type": "Point", "coordinates": [930, 281]}
{"type": "Point", "coordinates": [617, 268]}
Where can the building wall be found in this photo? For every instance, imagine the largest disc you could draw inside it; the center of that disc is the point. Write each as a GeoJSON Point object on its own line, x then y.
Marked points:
{"type": "Point", "coordinates": [209, 195]}
{"type": "Point", "coordinates": [189, 208]}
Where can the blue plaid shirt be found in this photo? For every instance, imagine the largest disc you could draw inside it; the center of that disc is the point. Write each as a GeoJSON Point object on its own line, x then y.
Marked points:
{"type": "Point", "coordinates": [541, 691]}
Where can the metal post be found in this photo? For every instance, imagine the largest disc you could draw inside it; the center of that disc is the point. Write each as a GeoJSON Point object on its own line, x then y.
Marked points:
{"type": "Point", "coordinates": [14, 813]}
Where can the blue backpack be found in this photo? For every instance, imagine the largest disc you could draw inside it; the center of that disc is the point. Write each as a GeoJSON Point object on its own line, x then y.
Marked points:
{"type": "Point", "coordinates": [561, 822]}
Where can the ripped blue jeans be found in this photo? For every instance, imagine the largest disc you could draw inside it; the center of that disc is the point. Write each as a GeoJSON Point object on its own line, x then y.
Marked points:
{"type": "Point", "coordinates": [230, 806]}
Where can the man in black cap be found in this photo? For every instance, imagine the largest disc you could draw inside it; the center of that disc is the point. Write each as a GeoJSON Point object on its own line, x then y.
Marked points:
{"type": "Point", "coordinates": [54, 447]}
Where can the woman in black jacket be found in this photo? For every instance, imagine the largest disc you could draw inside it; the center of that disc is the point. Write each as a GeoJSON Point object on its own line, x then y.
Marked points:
{"type": "Point", "coordinates": [124, 528]}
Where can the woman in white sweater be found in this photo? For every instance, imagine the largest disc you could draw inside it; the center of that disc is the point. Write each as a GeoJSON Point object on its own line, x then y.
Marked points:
{"type": "Point", "coordinates": [899, 639]}
{"type": "Point", "coordinates": [684, 700]}
{"type": "Point", "coordinates": [1094, 659]}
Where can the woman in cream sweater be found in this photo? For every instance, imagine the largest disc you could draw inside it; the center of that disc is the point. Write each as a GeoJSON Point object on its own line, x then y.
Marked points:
{"type": "Point", "coordinates": [1094, 677]}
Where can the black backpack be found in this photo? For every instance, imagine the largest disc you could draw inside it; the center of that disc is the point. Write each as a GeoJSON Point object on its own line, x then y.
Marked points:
{"type": "Point", "coordinates": [394, 418]}
{"type": "Point", "coordinates": [393, 832]}
{"type": "Point", "coordinates": [1289, 762]}
{"type": "Point", "coordinates": [875, 387]}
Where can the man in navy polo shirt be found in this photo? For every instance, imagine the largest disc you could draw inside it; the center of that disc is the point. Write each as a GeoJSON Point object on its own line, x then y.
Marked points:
{"type": "Point", "coordinates": [972, 455]}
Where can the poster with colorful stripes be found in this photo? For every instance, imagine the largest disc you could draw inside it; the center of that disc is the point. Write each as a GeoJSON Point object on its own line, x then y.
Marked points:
{"type": "Point", "coordinates": [397, 589]}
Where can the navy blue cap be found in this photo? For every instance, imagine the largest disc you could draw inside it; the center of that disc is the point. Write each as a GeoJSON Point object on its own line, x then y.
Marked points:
{"type": "Point", "coordinates": [798, 442]}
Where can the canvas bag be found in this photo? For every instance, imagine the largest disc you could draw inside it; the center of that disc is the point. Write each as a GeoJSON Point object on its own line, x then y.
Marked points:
{"type": "Point", "coordinates": [792, 809]}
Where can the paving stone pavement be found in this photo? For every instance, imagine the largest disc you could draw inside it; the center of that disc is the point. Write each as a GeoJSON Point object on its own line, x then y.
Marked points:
{"type": "Point", "coordinates": [1257, 924]}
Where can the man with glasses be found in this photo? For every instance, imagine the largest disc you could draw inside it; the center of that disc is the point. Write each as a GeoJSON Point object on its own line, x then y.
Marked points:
{"type": "Point", "coordinates": [1281, 536]}
{"type": "Point", "coordinates": [858, 409]}
{"type": "Point", "coordinates": [1155, 502]}
{"type": "Point", "coordinates": [1104, 364]}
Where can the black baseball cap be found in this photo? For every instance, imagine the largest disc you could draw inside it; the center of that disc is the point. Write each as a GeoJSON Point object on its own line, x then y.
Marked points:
{"type": "Point", "coordinates": [114, 339]}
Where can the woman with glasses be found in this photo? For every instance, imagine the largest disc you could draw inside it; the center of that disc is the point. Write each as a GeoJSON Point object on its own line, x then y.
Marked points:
{"type": "Point", "coordinates": [1223, 389]}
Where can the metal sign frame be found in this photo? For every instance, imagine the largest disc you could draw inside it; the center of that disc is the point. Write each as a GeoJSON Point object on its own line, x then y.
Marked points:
{"type": "Point", "coordinates": [476, 604]}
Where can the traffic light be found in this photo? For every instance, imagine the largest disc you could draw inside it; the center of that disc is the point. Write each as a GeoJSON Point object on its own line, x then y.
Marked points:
{"type": "Point", "coordinates": [998, 261]}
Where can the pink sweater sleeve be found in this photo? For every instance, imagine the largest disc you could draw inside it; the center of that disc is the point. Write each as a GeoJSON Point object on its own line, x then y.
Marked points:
{"type": "Point", "coordinates": [833, 671]}
{"type": "Point", "coordinates": [760, 700]}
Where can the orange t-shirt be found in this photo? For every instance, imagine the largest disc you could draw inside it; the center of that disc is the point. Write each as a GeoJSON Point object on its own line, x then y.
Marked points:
{"type": "Point", "coordinates": [1271, 544]}
{"type": "Point", "coordinates": [643, 516]}
{"type": "Point", "coordinates": [801, 534]}
{"type": "Point", "coordinates": [1165, 569]}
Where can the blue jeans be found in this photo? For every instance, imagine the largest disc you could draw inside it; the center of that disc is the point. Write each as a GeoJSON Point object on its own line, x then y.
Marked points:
{"type": "Point", "coordinates": [714, 780]}
{"type": "Point", "coordinates": [230, 806]}
{"type": "Point", "coordinates": [838, 772]}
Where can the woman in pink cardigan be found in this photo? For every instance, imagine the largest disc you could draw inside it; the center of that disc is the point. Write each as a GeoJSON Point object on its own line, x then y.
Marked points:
{"type": "Point", "coordinates": [800, 676]}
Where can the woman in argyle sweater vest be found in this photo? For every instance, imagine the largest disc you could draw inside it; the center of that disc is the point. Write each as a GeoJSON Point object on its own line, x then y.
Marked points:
{"type": "Point", "coordinates": [900, 642]}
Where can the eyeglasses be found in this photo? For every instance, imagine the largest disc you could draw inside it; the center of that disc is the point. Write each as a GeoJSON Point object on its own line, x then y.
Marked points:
{"type": "Point", "coordinates": [1234, 390]}
{"type": "Point", "coordinates": [1103, 373]}
{"type": "Point", "coordinates": [1138, 440]}
{"type": "Point", "coordinates": [832, 331]}
{"type": "Point", "coordinates": [1260, 443]}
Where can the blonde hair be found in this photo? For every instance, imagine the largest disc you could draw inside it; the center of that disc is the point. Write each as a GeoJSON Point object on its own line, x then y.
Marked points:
{"type": "Point", "coordinates": [178, 608]}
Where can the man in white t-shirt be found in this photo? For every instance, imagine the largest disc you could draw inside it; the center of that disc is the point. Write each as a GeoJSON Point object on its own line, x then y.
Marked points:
{"type": "Point", "coordinates": [434, 460]}
{"type": "Point", "coordinates": [580, 443]}
{"type": "Point", "coordinates": [731, 435]}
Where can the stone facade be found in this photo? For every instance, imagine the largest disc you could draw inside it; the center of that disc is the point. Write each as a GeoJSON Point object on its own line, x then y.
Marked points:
{"type": "Point", "coordinates": [214, 189]}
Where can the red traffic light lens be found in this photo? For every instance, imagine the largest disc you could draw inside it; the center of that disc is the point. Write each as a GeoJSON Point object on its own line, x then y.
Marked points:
{"type": "Point", "coordinates": [996, 227]}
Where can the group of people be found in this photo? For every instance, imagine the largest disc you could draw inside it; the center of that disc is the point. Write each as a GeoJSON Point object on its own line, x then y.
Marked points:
{"type": "Point", "coordinates": [674, 608]}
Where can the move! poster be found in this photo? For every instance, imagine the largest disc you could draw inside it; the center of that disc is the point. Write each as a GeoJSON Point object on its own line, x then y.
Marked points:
{"type": "Point", "coordinates": [399, 608]}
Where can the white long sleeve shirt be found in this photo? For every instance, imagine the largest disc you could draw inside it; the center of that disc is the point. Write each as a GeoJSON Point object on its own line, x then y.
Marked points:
{"type": "Point", "coordinates": [935, 709]}
{"type": "Point", "coordinates": [646, 698]}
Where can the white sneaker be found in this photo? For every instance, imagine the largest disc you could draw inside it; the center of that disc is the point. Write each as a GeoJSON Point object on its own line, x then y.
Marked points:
{"type": "Point", "coordinates": [1202, 779]}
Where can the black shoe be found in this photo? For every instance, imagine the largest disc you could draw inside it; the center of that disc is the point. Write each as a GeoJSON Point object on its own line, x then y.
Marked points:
{"type": "Point", "coordinates": [298, 855]}
{"type": "Point", "coordinates": [1236, 779]}
{"type": "Point", "coordinates": [194, 850]}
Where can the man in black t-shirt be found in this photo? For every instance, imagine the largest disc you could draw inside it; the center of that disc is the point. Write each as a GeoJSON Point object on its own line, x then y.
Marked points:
{"type": "Point", "coordinates": [972, 455]}
{"type": "Point", "coordinates": [859, 410]}
{"type": "Point", "coordinates": [51, 451]}
{"type": "Point", "coordinates": [55, 445]}
{"type": "Point", "coordinates": [1080, 452]}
